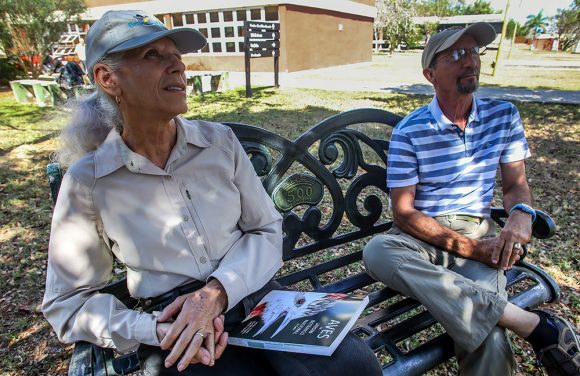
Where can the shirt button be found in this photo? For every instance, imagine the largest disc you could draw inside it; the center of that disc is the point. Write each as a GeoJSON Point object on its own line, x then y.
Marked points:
{"type": "Point", "coordinates": [167, 177]}
{"type": "Point", "coordinates": [202, 259]}
{"type": "Point", "coordinates": [185, 218]}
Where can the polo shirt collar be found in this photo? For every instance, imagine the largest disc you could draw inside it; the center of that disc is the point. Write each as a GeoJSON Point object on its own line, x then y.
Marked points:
{"type": "Point", "coordinates": [113, 153]}
{"type": "Point", "coordinates": [442, 120]}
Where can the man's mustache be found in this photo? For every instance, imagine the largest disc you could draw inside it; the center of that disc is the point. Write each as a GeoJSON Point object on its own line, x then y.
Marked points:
{"type": "Point", "coordinates": [469, 72]}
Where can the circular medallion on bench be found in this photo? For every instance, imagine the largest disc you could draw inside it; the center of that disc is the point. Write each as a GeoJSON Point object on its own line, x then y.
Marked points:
{"type": "Point", "coordinates": [297, 189]}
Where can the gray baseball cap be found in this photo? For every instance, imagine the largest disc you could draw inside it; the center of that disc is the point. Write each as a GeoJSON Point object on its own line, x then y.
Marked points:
{"type": "Point", "coordinates": [123, 30]}
{"type": "Point", "coordinates": [483, 33]}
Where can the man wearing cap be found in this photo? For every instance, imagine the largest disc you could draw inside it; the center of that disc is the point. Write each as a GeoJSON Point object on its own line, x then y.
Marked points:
{"type": "Point", "coordinates": [442, 249]}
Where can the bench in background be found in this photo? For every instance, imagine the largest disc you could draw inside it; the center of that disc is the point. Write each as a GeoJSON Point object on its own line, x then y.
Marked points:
{"type": "Point", "coordinates": [329, 184]}
{"type": "Point", "coordinates": [40, 92]}
{"type": "Point", "coordinates": [45, 91]}
{"type": "Point", "coordinates": [199, 82]}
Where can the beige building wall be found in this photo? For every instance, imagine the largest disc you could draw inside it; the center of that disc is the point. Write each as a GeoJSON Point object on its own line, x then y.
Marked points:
{"type": "Point", "coordinates": [309, 39]}
{"type": "Point", "coordinates": [313, 38]}
{"type": "Point", "coordinates": [231, 63]}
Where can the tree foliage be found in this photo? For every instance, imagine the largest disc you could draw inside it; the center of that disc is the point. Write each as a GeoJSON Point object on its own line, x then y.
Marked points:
{"type": "Point", "coordinates": [568, 25]}
{"type": "Point", "coordinates": [444, 8]}
{"type": "Point", "coordinates": [394, 19]}
{"type": "Point", "coordinates": [520, 30]}
{"type": "Point", "coordinates": [29, 27]}
{"type": "Point", "coordinates": [430, 28]}
{"type": "Point", "coordinates": [478, 7]}
{"type": "Point", "coordinates": [440, 8]}
{"type": "Point", "coordinates": [536, 22]}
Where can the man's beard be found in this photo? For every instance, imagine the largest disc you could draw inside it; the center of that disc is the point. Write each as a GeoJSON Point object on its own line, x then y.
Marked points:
{"type": "Point", "coordinates": [469, 87]}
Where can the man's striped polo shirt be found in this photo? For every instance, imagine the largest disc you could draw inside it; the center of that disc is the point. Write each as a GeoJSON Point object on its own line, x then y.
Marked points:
{"type": "Point", "coordinates": [454, 171]}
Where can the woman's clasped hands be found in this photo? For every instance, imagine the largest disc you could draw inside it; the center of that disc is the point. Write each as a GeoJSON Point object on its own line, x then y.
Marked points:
{"type": "Point", "coordinates": [197, 334]}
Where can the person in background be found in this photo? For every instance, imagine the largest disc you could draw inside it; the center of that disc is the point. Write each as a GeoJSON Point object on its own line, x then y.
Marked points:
{"type": "Point", "coordinates": [178, 203]}
{"type": "Point", "coordinates": [442, 249]}
{"type": "Point", "coordinates": [81, 54]}
{"type": "Point", "coordinates": [71, 75]}
{"type": "Point", "coordinates": [51, 65]}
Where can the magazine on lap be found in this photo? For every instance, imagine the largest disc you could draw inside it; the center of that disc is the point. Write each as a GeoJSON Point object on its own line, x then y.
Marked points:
{"type": "Point", "coordinates": [296, 321]}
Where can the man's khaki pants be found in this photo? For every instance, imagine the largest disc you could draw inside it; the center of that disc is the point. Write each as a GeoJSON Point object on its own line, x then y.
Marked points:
{"type": "Point", "coordinates": [465, 296]}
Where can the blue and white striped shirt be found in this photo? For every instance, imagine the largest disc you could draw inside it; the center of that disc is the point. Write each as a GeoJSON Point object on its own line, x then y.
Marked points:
{"type": "Point", "coordinates": [454, 171]}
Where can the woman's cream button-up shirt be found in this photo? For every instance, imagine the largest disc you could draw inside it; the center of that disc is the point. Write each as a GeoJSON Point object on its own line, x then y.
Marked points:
{"type": "Point", "coordinates": [206, 215]}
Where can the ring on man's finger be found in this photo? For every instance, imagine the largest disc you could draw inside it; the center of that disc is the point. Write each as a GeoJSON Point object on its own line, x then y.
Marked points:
{"type": "Point", "coordinates": [517, 245]}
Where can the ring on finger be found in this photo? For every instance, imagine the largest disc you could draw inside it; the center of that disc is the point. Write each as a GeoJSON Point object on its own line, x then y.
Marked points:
{"type": "Point", "coordinates": [199, 333]}
{"type": "Point", "coordinates": [517, 245]}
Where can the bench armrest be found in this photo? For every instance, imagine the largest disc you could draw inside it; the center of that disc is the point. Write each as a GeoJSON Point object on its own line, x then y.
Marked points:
{"type": "Point", "coordinates": [543, 227]}
{"type": "Point", "coordinates": [82, 360]}
{"type": "Point", "coordinates": [89, 359]}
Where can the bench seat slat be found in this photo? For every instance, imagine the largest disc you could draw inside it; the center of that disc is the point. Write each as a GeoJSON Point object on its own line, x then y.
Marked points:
{"type": "Point", "coordinates": [389, 312]}
{"type": "Point", "coordinates": [335, 241]}
{"type": "Point", "coordinates": [421, 359]}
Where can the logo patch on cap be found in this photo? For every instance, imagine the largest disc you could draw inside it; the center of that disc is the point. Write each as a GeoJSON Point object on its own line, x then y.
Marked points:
{"type": "Point", "coordinates": [145, 21]}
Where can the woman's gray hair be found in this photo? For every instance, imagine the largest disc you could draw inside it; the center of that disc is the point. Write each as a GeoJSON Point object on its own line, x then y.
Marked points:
{"type": "Point", "coordinates": [91, 120]}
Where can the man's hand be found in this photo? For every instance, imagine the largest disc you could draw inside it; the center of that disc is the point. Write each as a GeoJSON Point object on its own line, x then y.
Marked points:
{"type": "Point", "coordinates": [518, 229]}
{"type": "Point", "coordinates": [483, 251]}
{"type": "Point", "coordinates": [194, 326]}
{"type": "Point", "coordinates": [499, 252]}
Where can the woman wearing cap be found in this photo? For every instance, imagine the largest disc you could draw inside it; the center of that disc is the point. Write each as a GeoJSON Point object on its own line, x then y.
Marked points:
{"type": "Point", "coordinates": [177, 202]}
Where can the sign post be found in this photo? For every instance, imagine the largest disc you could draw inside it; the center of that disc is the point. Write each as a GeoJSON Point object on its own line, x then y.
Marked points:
{"type": "Point", "coordinates": [247, 58]}
{"type": "Point", "coordinates": [261, 39]}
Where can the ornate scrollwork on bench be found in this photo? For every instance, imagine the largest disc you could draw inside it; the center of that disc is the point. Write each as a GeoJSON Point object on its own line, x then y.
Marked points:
{"type": "Point", "coordinates": [328, 156]}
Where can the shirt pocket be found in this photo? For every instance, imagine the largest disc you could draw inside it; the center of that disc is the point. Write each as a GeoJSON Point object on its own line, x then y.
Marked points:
{"type": "Point", "coordinates": [214, 205]}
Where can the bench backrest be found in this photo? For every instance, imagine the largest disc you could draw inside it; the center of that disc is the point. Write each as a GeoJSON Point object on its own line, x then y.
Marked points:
{"type": "Point", "coordinates": [329, 184]}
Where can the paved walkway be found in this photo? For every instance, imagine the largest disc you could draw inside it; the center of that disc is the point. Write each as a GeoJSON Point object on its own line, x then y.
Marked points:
{"type": "Point", "coordinates": [510, 94]}
{"type": "Point", "coordinates": [543, 64]}
{"type": "Point", "coordinates": [294, 80]}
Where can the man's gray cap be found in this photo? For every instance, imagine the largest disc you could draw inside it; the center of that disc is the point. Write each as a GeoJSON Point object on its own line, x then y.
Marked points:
{"type": "Point", "coordinates": [482, 32]}
{"type": "Point", "coordinates": [123, 30]}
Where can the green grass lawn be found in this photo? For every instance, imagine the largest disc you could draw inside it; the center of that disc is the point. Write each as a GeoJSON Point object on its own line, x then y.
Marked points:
{"type": "Point", "coordinates": [27, 138]}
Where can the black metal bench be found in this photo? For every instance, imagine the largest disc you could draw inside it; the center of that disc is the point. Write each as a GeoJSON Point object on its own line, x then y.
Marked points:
{"type": "Point", "coordinates": [329, 184]}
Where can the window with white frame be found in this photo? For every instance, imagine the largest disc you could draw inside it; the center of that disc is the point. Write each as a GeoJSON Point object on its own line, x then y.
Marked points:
{"type": "Point", "coordinates": [224, 29]}
{"type": "Point", "coordinates": [73, 28]}
{"type": "Point", "coordinates": [65, 46]}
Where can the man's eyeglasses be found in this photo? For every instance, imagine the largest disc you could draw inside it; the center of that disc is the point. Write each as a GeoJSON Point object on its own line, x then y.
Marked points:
{"type": "Point", "coordinates": [460, 53]}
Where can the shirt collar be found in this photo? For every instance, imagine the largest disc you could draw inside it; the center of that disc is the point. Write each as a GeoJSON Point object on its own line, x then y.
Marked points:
{"type": "Point", "coordinates": [191, 133]}
{"type": "Point", "coordinates": [108, 155]}
{"type": "Point", "coordinates": [113, 153]}
{"type": "Point", "coordinates": [442, 120]}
